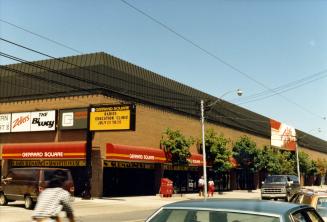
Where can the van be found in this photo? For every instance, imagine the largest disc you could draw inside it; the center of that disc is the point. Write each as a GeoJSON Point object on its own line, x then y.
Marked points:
{"type": "Point", "coordinates": [27, 183]}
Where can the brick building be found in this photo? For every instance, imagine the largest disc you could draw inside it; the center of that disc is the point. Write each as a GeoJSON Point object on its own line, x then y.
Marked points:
{"type": "Point", "coordinates": [53, 99]}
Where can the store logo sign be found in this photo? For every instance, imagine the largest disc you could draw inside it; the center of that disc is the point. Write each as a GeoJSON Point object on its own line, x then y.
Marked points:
{"type": "Point", "coordinates": [5, 120]}
{"type": "Point", "coordinates": [67, 119]}
{"type": "Point", "coordinates": [33, 121]}
{"type": "Point", "coordinates": [21, 122]}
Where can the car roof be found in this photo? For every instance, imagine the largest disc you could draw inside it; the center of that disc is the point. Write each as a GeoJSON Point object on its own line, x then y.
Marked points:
{"type": "Point", "coordinates": [262, 206]}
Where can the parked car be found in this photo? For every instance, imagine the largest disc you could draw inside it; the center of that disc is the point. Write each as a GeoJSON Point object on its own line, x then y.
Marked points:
{"type": "Point", "coordinates": [317, 200]}
{"type": "Point", "coordinates": [26, 184]}
{"type": "Point", "coordinates": [280, 187]}
{"type": "Point", "coordinates": [234, 210]}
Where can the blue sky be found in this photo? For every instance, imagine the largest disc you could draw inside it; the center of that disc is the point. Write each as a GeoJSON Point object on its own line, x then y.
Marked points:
{"type": "Point", "coordinates": [268, 43]}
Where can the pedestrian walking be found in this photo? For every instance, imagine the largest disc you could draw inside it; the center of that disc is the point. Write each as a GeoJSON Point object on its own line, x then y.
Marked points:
{"type": "Point", "coordinates": [201, 186]}
{"type": "Point", "coordinates": [211, 186]}
{"type": "Point", "coordinates": [53, 200]}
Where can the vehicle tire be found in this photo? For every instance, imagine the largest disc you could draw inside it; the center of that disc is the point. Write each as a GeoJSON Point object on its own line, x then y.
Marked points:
{"type": "Point", "coordinates": [28, 202]}
{"type": "Point", "coordinates": [3, 199]}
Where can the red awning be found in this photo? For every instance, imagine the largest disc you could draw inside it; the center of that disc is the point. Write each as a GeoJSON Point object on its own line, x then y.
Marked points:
{"type": "Point", "coordinates": [44, 151]}
{"type": "Point", "coordinates": [233, 161]}
{"type": "Point", "coordinates": [134, 153]}
{"type": "Point", "coordinates": [196, 159]}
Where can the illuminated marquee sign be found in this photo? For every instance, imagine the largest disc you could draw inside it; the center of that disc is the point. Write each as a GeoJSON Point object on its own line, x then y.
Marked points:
{"type": "Point", "coordinates": [115, 117]}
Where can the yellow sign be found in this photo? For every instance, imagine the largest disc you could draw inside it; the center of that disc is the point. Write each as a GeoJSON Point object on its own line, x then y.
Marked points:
{"type": "Point", "coordinates": [47, 163]}
{"type": "Point", "coordinates": [117, 117]}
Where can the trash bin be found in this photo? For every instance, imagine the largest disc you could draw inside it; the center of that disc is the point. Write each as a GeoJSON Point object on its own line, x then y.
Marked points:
{"type": "Point", "coordinates": [166, 187]}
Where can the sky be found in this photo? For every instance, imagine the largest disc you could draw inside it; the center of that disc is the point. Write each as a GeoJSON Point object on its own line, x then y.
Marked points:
{"type": "Point", "coordinates": [274, 50]}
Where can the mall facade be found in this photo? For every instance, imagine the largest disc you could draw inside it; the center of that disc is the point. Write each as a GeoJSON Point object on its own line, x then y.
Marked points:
{"type": "Point", "coordinates": [103, 118]}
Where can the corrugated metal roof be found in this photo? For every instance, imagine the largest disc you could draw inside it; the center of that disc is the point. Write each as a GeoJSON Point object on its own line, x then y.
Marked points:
{"type": "Point", "coordinates": [100, 72]}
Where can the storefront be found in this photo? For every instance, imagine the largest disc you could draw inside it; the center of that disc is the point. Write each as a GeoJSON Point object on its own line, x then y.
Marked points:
{"type": "Point", "coordinates": [53, 155]}
{"type": "Point", "coordinates": [134, 170]}
{"type": "Point", "coordinates": [185, 177]}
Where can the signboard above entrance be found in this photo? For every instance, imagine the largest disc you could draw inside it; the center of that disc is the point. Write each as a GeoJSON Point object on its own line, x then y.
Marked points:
{"type": "Point", "coordinates": [113, 117]}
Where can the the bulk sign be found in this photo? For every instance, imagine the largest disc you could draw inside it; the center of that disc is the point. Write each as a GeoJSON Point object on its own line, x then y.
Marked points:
{"type": "Point", "coordinates": [33, 121]}
{"type": "Point", "coordinates": [113, 117]}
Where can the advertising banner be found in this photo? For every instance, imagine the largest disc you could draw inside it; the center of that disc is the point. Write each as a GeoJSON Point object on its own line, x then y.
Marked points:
{"type": "Point", "coordinates": [283, 136]}
{"type": "Point", "coordinates": [73, 119]}
{"type": "Point", "coordinates": [43, 121]}
{"type": "Point", "coordinates": [114, 117]}
{"type": "Point", "coordinates": [5, 121]}
{"type": "Point", "coordinates": [21, 122]}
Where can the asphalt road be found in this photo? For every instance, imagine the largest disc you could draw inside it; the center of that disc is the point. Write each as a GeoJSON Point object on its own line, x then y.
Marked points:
{"type": "Point", "coordinates": [125, 209]}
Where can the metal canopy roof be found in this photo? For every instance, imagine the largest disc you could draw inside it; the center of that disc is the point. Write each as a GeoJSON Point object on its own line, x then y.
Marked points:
{"type": "Point", "coordinates": [111, 76]}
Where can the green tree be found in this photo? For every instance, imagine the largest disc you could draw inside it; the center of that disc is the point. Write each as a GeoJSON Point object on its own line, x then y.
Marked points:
{"type": "Point", "coordinates": [245, 152]}
{"type": "Point", "coordinates": [321, 167]}
{"type": "Point", "coordinates": [268, 160]}
{"type": "Point", "coordinates": [275, 161]}
{"type": "Point", "coordinates": [176, 146]}
{"type": "Point", "coordinates": [287, 162]}
{"type": "Point", "coordinates": [305, 163]}
{"type": "Point", "coordinates": [217, 152]}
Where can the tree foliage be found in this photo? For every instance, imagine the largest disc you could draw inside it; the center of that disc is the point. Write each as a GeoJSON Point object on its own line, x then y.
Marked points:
{"type": "Point", "coordinates": [176, 146]}
{"type": "Point", "coordinates": [321, 166]}
{"type": "Point", "coordinates": [275, 161]}
{"type": "Point", "coordinates": [217, 152]}
{"type": "Point", "coordinates": [246, 153]}
{"type": "Point", "coordinates": [305, 162]}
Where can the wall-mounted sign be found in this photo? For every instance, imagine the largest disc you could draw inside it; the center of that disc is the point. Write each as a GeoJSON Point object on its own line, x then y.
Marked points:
{"type": "Point", "coordinates": [43, 121]}
{"type": "Point", "coordinates": [47, 163]}
{"type": "Point", "coordinates": [282, 135]}
{"type": "Point", "coordinates": [21, 122]}
{"type": "Point", "coordinates": [5, 121]}
{"type": "Point", "coordinates": [114, 117]}
{"type": "Point", "coordinates": [73, 119]}
{"type": "Point", "coordinates": [33, 121]}
{"type": "Point", "coordinates": [118, 164]}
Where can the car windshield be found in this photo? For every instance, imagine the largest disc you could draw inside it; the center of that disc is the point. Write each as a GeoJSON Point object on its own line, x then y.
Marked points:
{"type": "Point", "coordinates": [188, 215]}
{"type": "Point", "coordinates": [322, 202]}
{"type": "Point", "coordinates": [276, 179]}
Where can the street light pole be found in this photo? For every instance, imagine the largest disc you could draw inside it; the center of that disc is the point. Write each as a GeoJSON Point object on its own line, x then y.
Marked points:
{"type": "Point", "coordinates": [239, 93]}
{"type": "Point", "coordinates": [298, 163]}
{"type": "Point", "coordinates": [297, 156]}
{"type": "Point", "coordinates": [204, 153]}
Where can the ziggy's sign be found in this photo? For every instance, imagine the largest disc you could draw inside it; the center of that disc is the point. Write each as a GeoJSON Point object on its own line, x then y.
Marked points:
{"type": "Point", "coordinates": [33, 121]}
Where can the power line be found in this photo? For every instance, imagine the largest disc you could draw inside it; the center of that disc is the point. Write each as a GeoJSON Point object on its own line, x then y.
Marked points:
{"type": "Point", "coordinates": [286, 87]}
{"type": "Point", "coordinates": [41, 36]}
{"type": "Point", "coordinates": [196, 45]}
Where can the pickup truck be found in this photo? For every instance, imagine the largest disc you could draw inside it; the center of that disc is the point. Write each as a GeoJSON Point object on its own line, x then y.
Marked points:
{"type": "Point", "coordinates": [280, 187]}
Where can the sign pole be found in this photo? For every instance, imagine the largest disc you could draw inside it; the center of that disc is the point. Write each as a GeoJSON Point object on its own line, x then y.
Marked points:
{"type": "Point", "coordinates": [88, 159]}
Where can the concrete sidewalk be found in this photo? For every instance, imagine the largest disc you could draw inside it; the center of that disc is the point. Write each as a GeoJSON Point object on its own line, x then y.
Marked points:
{"type": "Point", "coordinates": [146, 200]}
